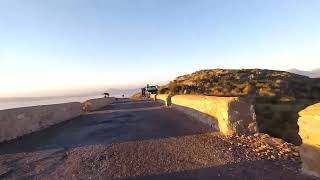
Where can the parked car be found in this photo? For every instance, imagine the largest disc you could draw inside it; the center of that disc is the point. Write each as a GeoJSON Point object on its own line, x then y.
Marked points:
{"type": "Point", "coordinates": [152, 89]}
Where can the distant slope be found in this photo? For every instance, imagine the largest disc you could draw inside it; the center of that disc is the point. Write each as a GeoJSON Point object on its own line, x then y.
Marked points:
{"type": "Point", "coordinates": [126, 92]}
{"type": "Point", "coordinates": [313, 74]}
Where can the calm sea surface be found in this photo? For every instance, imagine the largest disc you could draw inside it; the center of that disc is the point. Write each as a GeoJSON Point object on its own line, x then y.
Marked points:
{"type": "Point", "coordinates": [15, 103]}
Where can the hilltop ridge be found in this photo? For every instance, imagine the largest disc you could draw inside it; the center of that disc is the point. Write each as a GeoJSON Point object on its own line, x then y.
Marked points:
{"type": "Point", "coordinates": [279, 85]}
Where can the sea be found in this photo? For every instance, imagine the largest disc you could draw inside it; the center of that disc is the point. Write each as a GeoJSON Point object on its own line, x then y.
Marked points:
{"type": "Point", "coordinates": [10, 103]}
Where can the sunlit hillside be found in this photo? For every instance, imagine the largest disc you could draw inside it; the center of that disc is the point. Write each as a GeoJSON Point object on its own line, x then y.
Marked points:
{"type": "Point", "coordinates": [278, 96]}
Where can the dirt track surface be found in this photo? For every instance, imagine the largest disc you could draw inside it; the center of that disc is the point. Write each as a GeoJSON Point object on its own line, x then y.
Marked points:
{"type": "Point", "coordinates": [137, 140]}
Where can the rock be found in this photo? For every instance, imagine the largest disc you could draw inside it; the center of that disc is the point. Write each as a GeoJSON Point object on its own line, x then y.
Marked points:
{"type": "Point", "coordinates": [263, 146]}
{"type": "Point", "coordinates": [265, 136]}
{"type": "Point", "coordinates": [295, 148]}
{"type": "Point", "coordinates": [278, 141]}
{"type": "Point", "coordinates": [286, 150]}
{"type": "Point", "coordinates": [296, 154]}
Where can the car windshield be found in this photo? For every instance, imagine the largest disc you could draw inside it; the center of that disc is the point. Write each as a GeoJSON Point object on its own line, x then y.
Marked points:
{"type": "Point", "coordinates": [152, 88]}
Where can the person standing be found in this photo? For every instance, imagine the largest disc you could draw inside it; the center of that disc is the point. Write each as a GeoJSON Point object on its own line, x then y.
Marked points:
{"type": "Point", "coordinates": [143, 92]}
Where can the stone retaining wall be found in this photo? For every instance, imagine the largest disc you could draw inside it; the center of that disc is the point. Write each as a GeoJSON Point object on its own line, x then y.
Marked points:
{"type": "Point", "coordinates": [229, 115]}
{"type": "Point", "coordinates": [165, 98]}
{"type": "Point", "coordinates": [153, 96]}
{"type": "Point", "coordinates": [96, 104]}
{"type": "Point", "coordinates": [309, 131]}
{"type": "Point", "coordinates": [20, 121]}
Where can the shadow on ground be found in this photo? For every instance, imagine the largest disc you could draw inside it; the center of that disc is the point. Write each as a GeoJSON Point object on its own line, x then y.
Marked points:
{"type": "Point", "coordinates": [248, 170]}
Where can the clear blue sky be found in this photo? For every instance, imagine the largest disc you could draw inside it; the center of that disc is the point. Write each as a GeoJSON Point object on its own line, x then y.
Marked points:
{"type": "Point", "coordinates": [51, 45]}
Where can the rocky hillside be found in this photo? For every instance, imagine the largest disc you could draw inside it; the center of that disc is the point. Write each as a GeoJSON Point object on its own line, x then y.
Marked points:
{"type": "Point", "coordinates": [279, 85]}
{"type": "Point", "coordinates": [278, 96]}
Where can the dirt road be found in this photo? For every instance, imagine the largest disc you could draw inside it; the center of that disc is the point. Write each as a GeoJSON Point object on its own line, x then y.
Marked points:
{"type": "Point", "coordinates": [137, 140]}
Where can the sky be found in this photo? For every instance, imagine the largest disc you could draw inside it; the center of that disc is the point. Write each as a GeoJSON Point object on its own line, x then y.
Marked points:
{"type": "Point", "coordinates": [63, 46]}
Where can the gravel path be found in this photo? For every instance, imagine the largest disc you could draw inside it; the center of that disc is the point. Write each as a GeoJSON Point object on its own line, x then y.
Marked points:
{"type": "Point", "coordinates": [184, 149]}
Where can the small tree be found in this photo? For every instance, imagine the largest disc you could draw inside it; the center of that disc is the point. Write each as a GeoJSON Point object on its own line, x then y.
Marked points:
{"type": "Point", "coordinates": [106, 94]}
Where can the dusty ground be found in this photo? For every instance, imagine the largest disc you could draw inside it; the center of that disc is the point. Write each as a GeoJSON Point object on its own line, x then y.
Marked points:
{"type": "Point", "coordinates": [144, 140]}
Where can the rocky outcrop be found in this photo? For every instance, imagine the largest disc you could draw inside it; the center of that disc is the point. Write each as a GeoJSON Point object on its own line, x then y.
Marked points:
{"type": "Point", "coordinates": [309, 124]}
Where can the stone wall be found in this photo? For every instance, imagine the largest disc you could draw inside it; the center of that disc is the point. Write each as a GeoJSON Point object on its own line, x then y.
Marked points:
{"type": "Point", "coordinates": [165, 98]}
{"type": "Point", "coordinates": [153, 96]}
{"type": "Point", "coordinates": [20, 121]}
{"type": "Point", "coordinates": [96, 104]}
{"type": "Point", "coordinates": [309, 131]}
{"type": "Point", "coordinates": [229, 115]}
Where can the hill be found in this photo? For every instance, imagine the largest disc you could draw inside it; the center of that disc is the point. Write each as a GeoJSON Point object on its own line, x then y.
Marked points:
{"type": "Point", "coordinates": [313, 74]}
{"type": "Point", "coordinates": [269, 84]}
{"type": "Point", "coordinates": [278, 96]}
